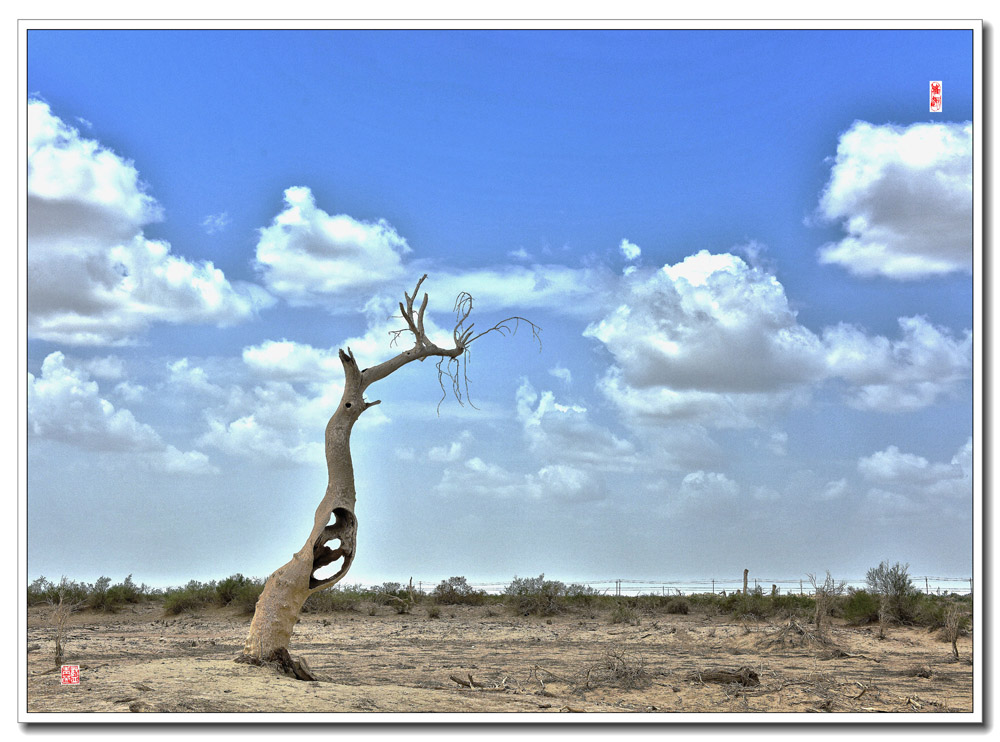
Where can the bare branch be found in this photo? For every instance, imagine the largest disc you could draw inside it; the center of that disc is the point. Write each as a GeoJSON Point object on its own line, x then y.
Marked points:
{"type": "Point", "coordinates": [420, 315]}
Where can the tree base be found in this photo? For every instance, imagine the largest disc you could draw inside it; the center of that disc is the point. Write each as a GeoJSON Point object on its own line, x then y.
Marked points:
{"type": "Point", "coordinates": [284, 662]}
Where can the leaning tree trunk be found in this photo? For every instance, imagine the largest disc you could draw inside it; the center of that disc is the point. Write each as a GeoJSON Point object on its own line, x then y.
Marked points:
{"type": "Point", "coordinates": [287, 589]}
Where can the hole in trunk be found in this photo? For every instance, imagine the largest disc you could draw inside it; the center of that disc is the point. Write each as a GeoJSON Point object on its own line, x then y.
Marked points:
{"type": "Point", "coordinates": [328, 570]}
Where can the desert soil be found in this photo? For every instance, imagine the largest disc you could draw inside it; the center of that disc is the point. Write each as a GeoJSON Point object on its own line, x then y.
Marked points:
{"type": "Point", "coordinates": [141, 661]}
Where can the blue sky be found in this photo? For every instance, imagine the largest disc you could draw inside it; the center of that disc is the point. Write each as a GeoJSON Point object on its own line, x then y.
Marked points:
{"type": "Point", "coordinates": [749, 251]}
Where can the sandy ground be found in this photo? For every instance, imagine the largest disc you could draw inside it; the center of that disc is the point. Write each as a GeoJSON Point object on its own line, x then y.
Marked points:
{"type": "Point", "coordinates": [141, 661]}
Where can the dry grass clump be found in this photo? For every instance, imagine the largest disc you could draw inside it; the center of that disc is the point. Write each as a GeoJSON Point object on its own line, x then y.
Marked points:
{"type": "Point", "coordinates": [625, 612]}
{"type": "Point", "coordinates": [619, 666]}
{"type": "Point", "coordinates": [794, 635]}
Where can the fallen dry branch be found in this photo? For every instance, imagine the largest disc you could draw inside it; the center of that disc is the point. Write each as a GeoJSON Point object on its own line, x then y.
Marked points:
{"type": "Point", "coordinates": [837, 653]}
{"type": "Point", "coordinates": [476, 685]}
{"type": "Point", "coordinates": [917, 671]}
{"type": "Point", "coordinates": [794, 635]}
{"type": "Point", "coordinates": [744, 676]}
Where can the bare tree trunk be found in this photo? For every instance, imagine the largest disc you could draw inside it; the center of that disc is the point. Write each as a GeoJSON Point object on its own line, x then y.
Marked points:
{"type": "Point", "coordinates": [287, 589]}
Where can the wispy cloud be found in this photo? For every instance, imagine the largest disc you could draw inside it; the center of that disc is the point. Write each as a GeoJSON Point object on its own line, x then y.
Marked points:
{"type": "Point", "coordinates": [215, 223]}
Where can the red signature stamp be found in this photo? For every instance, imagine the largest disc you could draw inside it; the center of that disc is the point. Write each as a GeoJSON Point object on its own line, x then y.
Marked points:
{"type": "Point", "coordinates": [69, 675]}
{"type": "Point", "coordinates": [936, 96]}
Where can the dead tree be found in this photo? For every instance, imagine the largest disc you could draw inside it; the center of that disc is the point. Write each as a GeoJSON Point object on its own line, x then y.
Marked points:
{"type": "Point", "coordinates": [955, 622]}
{"type": "Point", "coordinates": [286, 590]}
{"type": "Point", "coordinates": [824, 594]}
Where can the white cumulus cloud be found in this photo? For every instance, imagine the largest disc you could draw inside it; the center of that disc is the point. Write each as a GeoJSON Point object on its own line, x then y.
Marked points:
{"type": "Point", "coordinates": [65, 404]}
{"type": "Point", "coordinates": [904, 198]}
{"type": "Point", "coordinates": [93, 276]}
{"type": "Point", "coordinates": [630, 250]}
{"type": "Point", "coordinates": [907, 483]}
{"type": "Point", "coordinates": [309, 256]}
{"type": "Point", "coordinates": [714, 341]}
{"type": "Point", "coordinates": [926, 363]}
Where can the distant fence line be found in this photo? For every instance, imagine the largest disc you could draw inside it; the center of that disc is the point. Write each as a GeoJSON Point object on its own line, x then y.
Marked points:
{"type": "Point", "coordinates": [621, 586]}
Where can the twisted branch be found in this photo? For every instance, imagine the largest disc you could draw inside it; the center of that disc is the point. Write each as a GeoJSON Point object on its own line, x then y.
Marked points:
{"type": "Point", "coordinates": [453, 363]}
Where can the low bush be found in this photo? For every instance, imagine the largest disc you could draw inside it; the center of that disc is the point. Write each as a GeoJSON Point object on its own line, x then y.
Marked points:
{"type": "Point", "coordinates": [193, 596]}
{"type": "Point", "coordinates": [790, 606]}
{"type": "Point", "coordinates": [892, 585]}
{"type": "Point", "coordinates": [860, 607]}
{"type": "Point", "coordinates": [457, 591]}
{"type": "Point", "coordinates": [625, 611]}
{"type": "Point", "coordinates": [227, 590]}
{"type": "Point", "coordinates": [102, 596]}
{"type": "Point", "coordinates": [581, 596]}
{"type": "Point", "coordinates": [335, 599]}
{"type": "Point", "coordinates": [677, 606]}
{"type": "Point", "coordinates": [43, 591]}
{"type": "Point", "coordinates": [535, 596]}
{"type": "Point", "coordinates": [619, 666]}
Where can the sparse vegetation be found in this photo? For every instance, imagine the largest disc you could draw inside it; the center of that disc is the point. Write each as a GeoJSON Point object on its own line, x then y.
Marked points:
{"type": "Point", "coordinates": [824, 594]}
{"type": "Point", "coordinates": [536, 596]}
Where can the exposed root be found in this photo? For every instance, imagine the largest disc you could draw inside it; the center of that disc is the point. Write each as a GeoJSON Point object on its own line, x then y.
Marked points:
{"type": "Point", "coordinates": [282, 661]}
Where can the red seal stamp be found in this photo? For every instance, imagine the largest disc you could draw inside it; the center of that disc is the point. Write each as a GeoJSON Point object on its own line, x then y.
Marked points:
{"type": "Point", "coordinates": [70, 675]}
{"type": "Point", "coordinates": [936, 96]}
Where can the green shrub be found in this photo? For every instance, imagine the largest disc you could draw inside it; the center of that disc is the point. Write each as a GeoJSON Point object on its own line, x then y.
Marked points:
{"type": "Point", "coordinates": [677, 606]}
{"type": "Point", "coordinates": [335, 599]}
{"type": "Point", "coordinates": [741, 606]}
{"type": "Point", "coordinates": [42, 591]}
{"type": "Point", "coordinates": [535, 595]}
{"type": "Point", "coordinates": [456, 591]}
{"type": "Point", "coordinates": [227, 590]}
{"type": "Point", "coordinates": [892, 584]}
{"type": "Point", "coordinates": [861, 607]}
{"type": "Point", "coordinates": [710, 604]}
{"type": "Point", "coordinates": [125, 593]}
{"type": "Point", "coordinates": [191, 597]}
{"type": "Point", "coordinates": [102, 597]}
{"type": "Point", "coordinates": [625, 612]}
{"type": "Point", "coordinates": [581, 596]}
{"type": "Point", "coordinates": [790, 606]}
{"type": "Point", "coordinates": [244, 598]}
{"type": "Point", "coordinates": [931, 611]}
